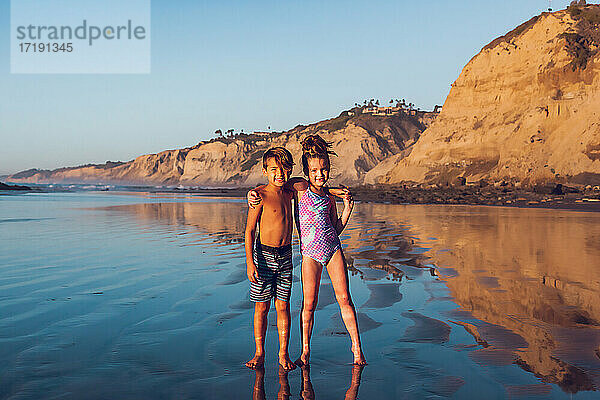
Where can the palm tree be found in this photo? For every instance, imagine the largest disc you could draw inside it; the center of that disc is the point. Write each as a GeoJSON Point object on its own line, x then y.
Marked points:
{"type": "Point", "coordinates": [377, 103]}
{"type": "Point", "coordinates": [218, 132]}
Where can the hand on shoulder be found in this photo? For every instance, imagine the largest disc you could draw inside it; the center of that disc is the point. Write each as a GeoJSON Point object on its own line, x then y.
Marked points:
{"type": "Point", "coordinates": [255, 196]}
{"type": "Point", "coordinates": [297, 184]}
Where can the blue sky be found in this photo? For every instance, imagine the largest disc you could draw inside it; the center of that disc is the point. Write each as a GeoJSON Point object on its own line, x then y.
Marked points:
{"type": "Point", "coordinates": [245, 65]}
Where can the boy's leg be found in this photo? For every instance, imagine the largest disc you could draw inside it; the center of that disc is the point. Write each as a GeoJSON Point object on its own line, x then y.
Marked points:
{"type": "Point", "coordinates": [282, 292]}
{"type": "Point", "coordinates": [261, 310]}
{"type": "Point", "coordinates": [283, 327]}
{"type": "Point", "coordinates": [339, 280]}
{"type": "Point", "coordinates": [311, 279]}
{"type": "Point", "coordinates": [261, 294]}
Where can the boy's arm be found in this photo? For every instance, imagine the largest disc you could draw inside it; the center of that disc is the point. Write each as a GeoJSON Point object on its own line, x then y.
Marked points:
{"type": "Point", "coordinates": [339, 223]}
{"type": "Point", "coordinates": [251, 222]}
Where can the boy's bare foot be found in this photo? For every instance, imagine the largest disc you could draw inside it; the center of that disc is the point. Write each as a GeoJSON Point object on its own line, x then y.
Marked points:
{"type": "Point", "coordinates": [359, 357]}
{"type": "Point", "coordinates": [286, 363]}
{"type": "Point", "coordinates": [257, 361]}
{"type": "Point", "coordinates": [303, 360]}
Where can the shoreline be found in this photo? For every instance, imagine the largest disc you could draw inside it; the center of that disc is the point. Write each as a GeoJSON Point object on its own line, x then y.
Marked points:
{"type": "Point", "coordinates": [542, 197]}
{"type": "Point", "coordinates": [556, 197]}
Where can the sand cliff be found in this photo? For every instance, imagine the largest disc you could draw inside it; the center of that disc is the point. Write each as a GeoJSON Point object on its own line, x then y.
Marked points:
{"type": "Point", "coordinates": [526, 108]}
{"type": "Point", "coordinates": [360, 140]}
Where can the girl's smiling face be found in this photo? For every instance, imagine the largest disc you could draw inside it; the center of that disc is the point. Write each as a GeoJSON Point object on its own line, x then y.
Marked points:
{"type": "Point", "coordinates": [318, 172]}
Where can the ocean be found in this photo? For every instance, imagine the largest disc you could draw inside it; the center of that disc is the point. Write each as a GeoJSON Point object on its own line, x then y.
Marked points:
{"type": "Point", "coordinates": [139, 295]}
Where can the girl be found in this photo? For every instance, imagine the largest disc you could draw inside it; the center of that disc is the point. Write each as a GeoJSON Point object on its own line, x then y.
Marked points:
{"type": "Point", "coordinates": [319, 227]}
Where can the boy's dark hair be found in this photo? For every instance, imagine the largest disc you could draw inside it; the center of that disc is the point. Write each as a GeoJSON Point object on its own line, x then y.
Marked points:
{"type": "Point", "coordinates": [314, 146]}
{"type": "Point", "coordinates": [282, 157]}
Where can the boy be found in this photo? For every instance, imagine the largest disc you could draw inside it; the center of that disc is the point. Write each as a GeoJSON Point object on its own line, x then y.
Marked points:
{"type": "Point", "coordinates": [269, 260]}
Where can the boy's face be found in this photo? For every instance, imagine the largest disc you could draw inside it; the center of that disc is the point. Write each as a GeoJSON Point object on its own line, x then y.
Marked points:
{"type": "Point", "coordinates": [275, 173]}
{"type": "Point", "coordinates": [318, 171]}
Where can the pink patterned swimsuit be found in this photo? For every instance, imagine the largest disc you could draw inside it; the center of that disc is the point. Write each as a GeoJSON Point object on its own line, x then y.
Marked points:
{"type": "Point", "coordinates": [318, 237]}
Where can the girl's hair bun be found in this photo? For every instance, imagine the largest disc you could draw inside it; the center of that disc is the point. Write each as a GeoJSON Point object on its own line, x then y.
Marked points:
{"type": "Point", "coordinates": [315, 146]}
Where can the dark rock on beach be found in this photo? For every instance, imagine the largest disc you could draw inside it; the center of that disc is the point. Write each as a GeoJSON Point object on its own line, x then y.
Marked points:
{"type": "Point", "coordinates": [484, 193]}
{"type": "Point", "coordinates": [4, 186]}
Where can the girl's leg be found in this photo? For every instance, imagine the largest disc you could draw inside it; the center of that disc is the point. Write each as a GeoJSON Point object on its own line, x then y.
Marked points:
{"type": "Point", "coordinates": [311, 278]}
{"type": "Point", "coordinates": [339, 280]}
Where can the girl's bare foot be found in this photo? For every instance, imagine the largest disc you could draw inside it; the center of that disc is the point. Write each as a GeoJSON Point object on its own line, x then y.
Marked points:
{"type": "Point", "coordinates": [257, 361]}
{"type": "Point", "coordinates": [304, 359]}
{"type": "Point", "coordinates": [359, 357]}
{"type": "Point", "coordinates": [285, 362]}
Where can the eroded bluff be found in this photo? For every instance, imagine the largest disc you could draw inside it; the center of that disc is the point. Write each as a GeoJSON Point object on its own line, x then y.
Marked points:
{"type": "Point", "coordinates": [525, 109]}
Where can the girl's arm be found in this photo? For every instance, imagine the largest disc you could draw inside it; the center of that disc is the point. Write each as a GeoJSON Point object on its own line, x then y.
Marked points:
{"type": "Point", "coordinates": [296, 184]}
{"type": "Point", "coordinates": [339, 223]}
{"type": "Point", "coordinates": [253, 196]}
{"type": "Point", "coordinates": [340, 192]}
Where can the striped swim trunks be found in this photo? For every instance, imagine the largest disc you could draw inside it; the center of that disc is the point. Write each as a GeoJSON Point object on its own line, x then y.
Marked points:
{"type": "Point", "coordinates": [274, 270]}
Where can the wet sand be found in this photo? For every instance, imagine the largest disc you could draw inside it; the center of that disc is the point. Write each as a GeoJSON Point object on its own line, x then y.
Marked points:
{"type": "Point", "coordinates": [145, 296]}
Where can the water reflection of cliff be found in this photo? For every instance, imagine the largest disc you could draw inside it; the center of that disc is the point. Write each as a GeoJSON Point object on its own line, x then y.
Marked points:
{"type": "Point", "coordinates": [224, 222]}
{"type": "Point", "coordinates": [527, 280]}
{"type": "Point", "coordinates": [533, 272]}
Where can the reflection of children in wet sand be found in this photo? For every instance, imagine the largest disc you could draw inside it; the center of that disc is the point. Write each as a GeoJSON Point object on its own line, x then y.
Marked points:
{"type": "Point", "coordinates": [306, 388]}
{"type": "Point", "coordinates": [259, 384]}
{"type": "Point", "coordinates": [308, 393]}
{"type": "Point", "coordinates": [319, 227]}
{"type": "Point", "coordinates": [269, 258]}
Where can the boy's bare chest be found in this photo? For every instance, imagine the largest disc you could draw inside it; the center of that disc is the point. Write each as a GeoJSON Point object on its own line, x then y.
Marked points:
{"type": "Point", "coordinates": [277, 208]}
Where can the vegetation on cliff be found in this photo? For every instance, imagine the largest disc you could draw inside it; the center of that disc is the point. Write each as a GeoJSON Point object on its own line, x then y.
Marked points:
{"type": "Point", "coordinates": [584, 40]}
